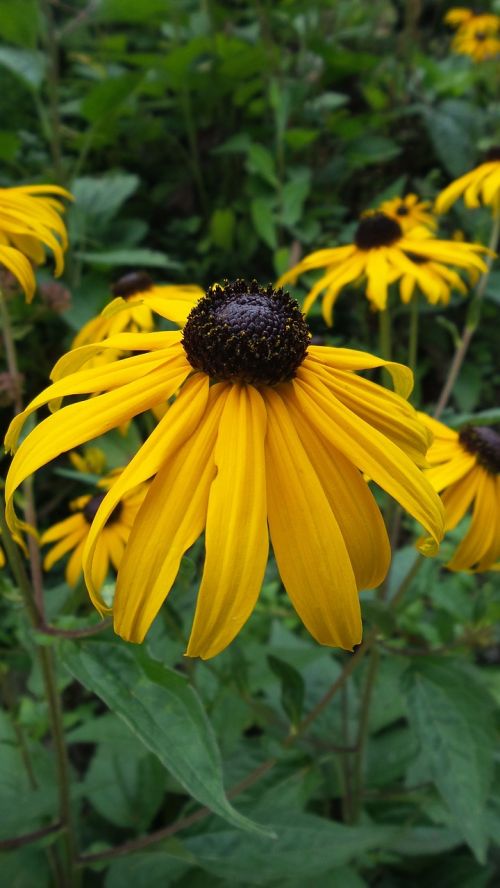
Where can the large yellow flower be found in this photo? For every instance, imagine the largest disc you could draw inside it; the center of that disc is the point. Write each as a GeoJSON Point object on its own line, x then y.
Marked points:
{"type": "Point", "coordinates": [136, 298]}
{"type": "Point", "coordinates": [264, 430]}
{"type": "Point", "coordinates": [71, 534]}
{"type": "Point", "coordinates": [383, 254]}
{"type": "Point", "coordinates": [409, 211]}
{"type": "Point", "coordinates": [481, 185]}
{"type": "Point", "coordinates": [30, 219]}
{"type": "Point", "coordinates": [466, 466]}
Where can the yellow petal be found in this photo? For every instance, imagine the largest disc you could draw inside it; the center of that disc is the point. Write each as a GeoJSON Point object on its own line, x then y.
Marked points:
{"type": "Point", "coordinates": [350, 359]}
{"type": "Point", "coordinates": [310, 551]}
{"type": "Point", "coordinates": [480, 536]}
{"type": "Point", "coordinates": [169, 521]}
{"type": "Point", "coordinates": [351, 501]}
{"type": "Point", "coordinates": [236, 537]}
{"type": "Point", "coordinates": [458, 497]}
{"type": "Point", "coordinates": [147, 342]}
{"type": "Point", "coordinates": [373, 453]}
{"type": "Point", "coordinates": [21, 268]}
{"type": "Point", "coordinates": [65, 545]}
{"type": "Point", "coordinates": [448, 473]}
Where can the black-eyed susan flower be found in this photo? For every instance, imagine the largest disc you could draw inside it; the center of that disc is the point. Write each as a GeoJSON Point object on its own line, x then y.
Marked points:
{"type": "Point", "coordinates": [136, 299]}
{"type": "Point", "coordinates": [480, 186]}
{"type": "Point", "coordinates": [70, 535]}
{"type": "Point", "coordinates": [267, 436]}
{"type": "Point", "coordinates": [466, 471]}
{"type": "Point", "coordinates": [478, 35]}
{"type": "Point", "coordinates": [382, 254]}
{"type": "Point", "coordinates": [409, 211]}
{"type": "Point", "coordinates": [30, 219]}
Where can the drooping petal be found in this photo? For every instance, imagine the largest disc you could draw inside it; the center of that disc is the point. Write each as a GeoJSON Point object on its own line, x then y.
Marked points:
{"type": "Point", "coordinates": [78, 423]}
{"type": "Point", "coordinates": [65, 545]}
{"type": "Point", "coordinates": [169, 521]}
{"type": "Point", "coordinates": [309, 548]}
{"type": "Point", "coordinates": [20, 267]}
{"type": "Point", "coordinates": [373, 453]}
{"type": "Point", "coordinates": [480, 536]}
{"type": "Point", "coordinates": [352, 503]}
{"type": "Point", "coordinates": [61, 529]}
{"type": "Point", "coordinates": [350, 359]}
{"type": "Point", "coordinates": [442, 476]}
{"type": "Point", "coordinates": [236, 536]}
{"type": "Point", "coordinates": [458, 497]}
{"type": "Point", "coordinates": [74, 566]}
{"type": "Point", "coordinates": [145, 342]}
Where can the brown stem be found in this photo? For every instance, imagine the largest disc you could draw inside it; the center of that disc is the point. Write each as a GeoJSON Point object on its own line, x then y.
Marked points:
{"type": "Point", "coordinates": [28, 838]}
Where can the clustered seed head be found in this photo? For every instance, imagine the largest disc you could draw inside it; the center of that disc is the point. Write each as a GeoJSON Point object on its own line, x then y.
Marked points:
{"type": "Point", "coordinates": [242, 332]}
{"type": "Point", "coordinates": [484, 443]}
{"type": "Point", "coordinates": [377, 230]}
{"type": "Point", "coordinates": [130, 284]}
{"type": "Point", "coordinates": [90, 510]}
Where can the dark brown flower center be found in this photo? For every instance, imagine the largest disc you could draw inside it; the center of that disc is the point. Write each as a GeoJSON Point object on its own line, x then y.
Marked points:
{"type": "Point", "coordinates": [242, 332]}
{"type": "Point", "coordinates": [484, 443]}
{"type": "Point", "coordinates": [130, 284]}
{"type": "Point", "coordinates": [90, 510]}
{"type": "Point", "coordinates": [414, 257]}
{"type": "Point", "coordinates": [492, 154]}
{"type": "Point", "coordinates": [402, 211]}
{"type": "Point", "coordinates": [377, 230]}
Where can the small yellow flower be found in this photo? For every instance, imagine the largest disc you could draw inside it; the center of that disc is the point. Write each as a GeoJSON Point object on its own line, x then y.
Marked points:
{"type": "Point", "coordinates": [71, 534]}
{"type": "Point", "coordinates": [409, 211]}
{"type": "Point", "coordinates": [478, 36]}
{"type": "Point", "coordinates": [267, 436]}
{"type": "Point", "coordinates": [466, 469]}
{"type": "Point", "coordinates": [136, 298]}
{"type": "Point", "coordinates": [2, 558]}
{"type": "Point", "coordinates": [30, 219]}
{"type": "Point", "coordinates": [383, 254]}
{"type": "Point", "coordinates": [93, 461]}
{"type": "Point", "coordinates": [480, 186]}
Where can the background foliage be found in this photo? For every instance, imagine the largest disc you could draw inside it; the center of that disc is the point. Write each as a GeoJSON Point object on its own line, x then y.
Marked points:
{"type": "Point", "coordinates": [205, 140]}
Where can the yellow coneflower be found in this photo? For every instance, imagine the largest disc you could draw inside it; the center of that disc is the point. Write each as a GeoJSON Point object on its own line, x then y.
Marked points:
{"type": "Point", "coordinates": [383, 254]}
{"type": "Point", "coordinates": [92, 461]}
{"type": "Point", "coordinates": [478, 36]}
{"type": "Point", "coordinates": [71, 534]}
{"type": "Point", "coordinates": [136, 299]}
{"type": "Point", "coordinates": [409, 211]}
{"type": "Point", "coordinates": [30, 219]}
{"type": "Point", "coordinates": [480, 186]}
{"type": "Point", "coordinates": [265, 430]}
{"type": "Point", "coordinates": [466, 469]}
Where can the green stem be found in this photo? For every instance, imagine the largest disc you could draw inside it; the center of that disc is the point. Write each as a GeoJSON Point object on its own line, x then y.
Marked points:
{"type": "Point", "coordinates": [364, 719]}
{"type": "Point", "coordinates": [413, 333]}
{"type": "Point", "coordinates": [384, 334]}
{"type": "Point", "coordinates": [471, 323]}
{"type": "Point", "coordinates": [52, 48]}
{"type": "Point", "coordinates": [10, 352]}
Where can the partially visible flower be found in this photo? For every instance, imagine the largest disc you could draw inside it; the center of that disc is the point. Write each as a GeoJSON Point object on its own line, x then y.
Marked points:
{"type": "Point", "coordinates": [93, 461]}
{"type": "Point", "coordinates": [71, 534]}
{"type": "Point", "coordinates": [136, 299]}
{"type": "Point", "coordinates": [2, 558]}
{"type": "Point", "coordinates": [478, 36]}
{"type": "Point", "coordinates": [30, 219]}
{"type": "Point", "coordinates": [481, 185]}
{"type": "Point", "coordinates": [267, 436]}
{"type": "Point", "coordinates": [383, 254]}
{"type": "Point", "coordinates": [466, 471]}
{"type": "Point", "coordinates": [409, 211]}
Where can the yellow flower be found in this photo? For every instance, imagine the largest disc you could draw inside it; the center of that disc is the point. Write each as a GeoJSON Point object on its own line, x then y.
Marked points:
{"type": "Point", "coordinates": [481, 185]}
{"type": "Point", "coordinates": [409, 211]}
{"type": "Point", "coordinates": [71, 534]}
{"type": "Point", "coordinates": [92, 462]}
{"type": "Point", "coordinates": [2, 558]}
{"type": "Point", "coordinates": [30, 219]}
{"type": "Point", "coordinates": [466, 466]}
{"type": "Point", "coordinates": [136, 298]}
{"type": "Point", "coordinates": [384, 254]}
{"type": "Point", "coordinates": [264, 430]}
{"type": "Point", "coordinates": [478, 36]}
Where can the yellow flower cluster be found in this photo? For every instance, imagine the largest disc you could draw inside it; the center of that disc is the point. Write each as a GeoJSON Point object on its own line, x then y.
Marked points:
{"type": "Point", "coordinates": [477, 35]}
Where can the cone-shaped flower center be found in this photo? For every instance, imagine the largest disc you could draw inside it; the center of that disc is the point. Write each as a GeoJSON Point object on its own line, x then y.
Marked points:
{"type": "Point", "coordinates": [90, 510]}
{"type": "Point", "coordinates": [484, 443]}
{"type": "Point", "coordinates": [240, 331]}
{"type": "Point", "coordinates": [130, 284]}
{"type": "Point", "coordinates": [377, 230]}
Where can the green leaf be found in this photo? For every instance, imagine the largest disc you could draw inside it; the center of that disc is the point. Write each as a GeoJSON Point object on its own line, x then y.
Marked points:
{"type": "Point", "coordinates": [105, 99]}
{"type": "Point", "coordinates": [292, 688]}
{"type": "Point", "coordinates": [27, 65]}
{"type": "Point", "coordinates": [454, 129]}
{"type": "Point", "coordinates": [222, 228]}
{"type": "Point", "coordinates": [125, 784]}
{"type": "Point", "coordinates": [102, 196]}
{"type": "Point", "coordinates": [451, 715]}
{"type": "Point", "coordinates": [163, 711]}
{"type": "Point", "coordinates": [485, 417]}
{"type": "Point", "coordinates": [154, 869]}
{"type": "Point", "coordinates": [305, 846]}
{"type": "Point", "coordinates": [262, 212]}
{"type": "Point", "coordinates": [294, 195]}
{"type": "Point", "coordinates": [260, 161]}
{"type": "Point", "coordinates": [19, 22]}
{"type": "Point", "coordinates": [138, 256]}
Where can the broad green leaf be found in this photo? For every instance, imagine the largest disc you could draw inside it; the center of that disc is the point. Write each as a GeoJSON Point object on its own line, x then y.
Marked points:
{"type": "Point", "coordinates": [27, 65]}
{"type": "Point", "coordinates": [451, 714]}
{"type": "Point", "coordinates": [222, 227]}
{"type": "Point", "coordinates": [262, 212]}
{"type": "Point", "coordinates": [260, 161]}
{"type": "Point", "coordinates": [125, 784]}
{"type": "Point", "coordinates": [19, 22]}
{"type": "Point", "coordinates": [100, 197]}
{"type": "Point", "coordinates": [163, 711]}
{"type": "Point", "coordinates": [484, 417]}
{"type": "Point", "coordinates": [454, 127]}
{"type": "Point", "coordinates": [294, 195]}
{"type": "Point", "coordinates": [105, 98]}
{"type": "Point", "coordinates": [305, 846]}
{"type": "Point", "coordinates": [153, 869]}
{"type": "Point", "coordinates": [292, 688]}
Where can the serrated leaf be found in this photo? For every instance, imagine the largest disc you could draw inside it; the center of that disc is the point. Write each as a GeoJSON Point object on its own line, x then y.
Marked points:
{"type": "Point", "coordinates": [163, 711]}
{"type": "Point", "coordinates": [451, 715]}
